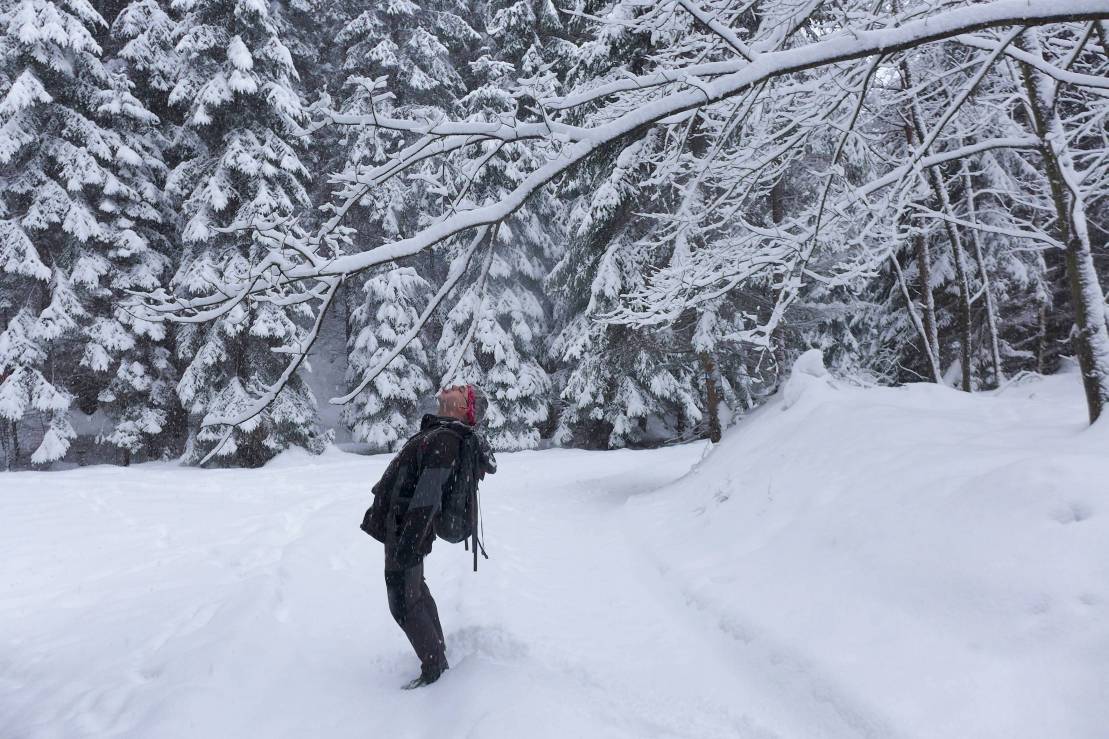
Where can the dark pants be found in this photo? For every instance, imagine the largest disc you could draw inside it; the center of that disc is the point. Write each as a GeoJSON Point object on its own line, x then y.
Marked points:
{"type": "Point", "coordinates": [412, 606]}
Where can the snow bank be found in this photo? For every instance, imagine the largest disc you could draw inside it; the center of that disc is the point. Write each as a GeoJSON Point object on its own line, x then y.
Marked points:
{"type": "Point", "coordinates": [904, 562]}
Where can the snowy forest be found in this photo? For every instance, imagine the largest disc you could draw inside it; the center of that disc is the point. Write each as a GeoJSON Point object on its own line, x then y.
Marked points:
{"type": "Point", "coordinates": [790, 317]}
{"type": "Point", "coordinates": [622, 218]}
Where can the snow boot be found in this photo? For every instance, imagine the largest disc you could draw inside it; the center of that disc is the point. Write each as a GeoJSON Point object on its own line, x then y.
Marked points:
{"type": "Point", "coordinates": [428, 675]}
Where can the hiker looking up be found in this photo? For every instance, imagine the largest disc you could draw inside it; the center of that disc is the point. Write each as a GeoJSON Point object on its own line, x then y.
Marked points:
{"type": "Point", "coordinates": [430, 488]}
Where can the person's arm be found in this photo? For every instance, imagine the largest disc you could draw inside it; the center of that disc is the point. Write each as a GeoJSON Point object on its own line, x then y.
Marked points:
{"type": "Point", "coordinates": [374, 522]}
{"type": "Point", "coordinates": [436, 462]}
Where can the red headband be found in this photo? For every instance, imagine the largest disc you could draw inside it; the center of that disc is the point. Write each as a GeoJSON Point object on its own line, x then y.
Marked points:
{"type": "Point", "coordinates": [470, 411]}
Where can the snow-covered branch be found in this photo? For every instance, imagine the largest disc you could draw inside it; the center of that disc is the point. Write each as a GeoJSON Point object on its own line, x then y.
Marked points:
{"type": "Point", "coordinates": [733, 78]}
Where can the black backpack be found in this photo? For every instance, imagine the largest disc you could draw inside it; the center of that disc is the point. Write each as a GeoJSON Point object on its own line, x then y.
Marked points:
{"type": "Point", "coordinates": [460, 517]}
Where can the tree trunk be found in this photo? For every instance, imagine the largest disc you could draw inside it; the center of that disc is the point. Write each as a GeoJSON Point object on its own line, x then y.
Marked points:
{"type": "Point", "coordinates": [1041, 348]}
{"type": "Point", "coordinates": [11, 444]}
{"type": "Point", "coordinates": [991, 311]}
{"type": "Point", "coordinates": [1103, 36]}
{"type": "Point", "coordinates": [1091, 340]}
{"type": "Point", "coordinates": [777, 201]}
{"type": "Point", "coordinates": [712, 396]}
{"type": "Point", "coordinates": [928, 309]}
{"type": "Point", "coordinates": [778, 337]}
{"type": "Point", "coordinates": [745, 381]}
{"type": "Point", "coordinates": [778, 347]}
{"type": "Point", "coordinates": [937, 373]}
{"type": "Point", "coordinates": [939, 189]}
{"type": "Point", "coordinates": [924, 281]}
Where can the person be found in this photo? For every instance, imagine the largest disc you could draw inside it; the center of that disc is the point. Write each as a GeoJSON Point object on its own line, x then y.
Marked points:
{"type": "Point", "coordinates": [407, 504]}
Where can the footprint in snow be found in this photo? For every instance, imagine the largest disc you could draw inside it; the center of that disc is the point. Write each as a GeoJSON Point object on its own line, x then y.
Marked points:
{"type": "Point", "coordinates": [1073, 512]}
{"type": "Point", "coordinates": [486, 641]}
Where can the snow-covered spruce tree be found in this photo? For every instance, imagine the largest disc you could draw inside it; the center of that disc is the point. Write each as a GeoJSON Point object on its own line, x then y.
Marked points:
{"type": "Point", "coordinates": [414, 52]}
{"type": "Point", "coordinates": [492, 337]}
{"type": "Point", "coordinates": [604, 372]}
{"type": "Point", "coordinates": [535, 37]}
{"type": "Point", "coordinates": [142, 37]}
{"type": "Point", "coordinates": [384, 413]}
{"type": "Point", "coordinates": [615, 378]}
{"type": "Point", "coordinates": [395, 59]}
{"type": "Point", "coordinates": [492, 332]}
{"type": "Point", "coordinates": [141, 398]}
{"type": "Point", "coordinates": [1019, 284]}
{"type": "Point", "coordinates": [312, 29]}
{"type": "Point", "coordinates": [81, 213]}
{"type": "Point", "coordinates": [237, 86]}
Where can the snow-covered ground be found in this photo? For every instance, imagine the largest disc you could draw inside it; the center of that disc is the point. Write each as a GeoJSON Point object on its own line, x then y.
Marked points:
{"type": "Point", "coordinates": [848, 562]}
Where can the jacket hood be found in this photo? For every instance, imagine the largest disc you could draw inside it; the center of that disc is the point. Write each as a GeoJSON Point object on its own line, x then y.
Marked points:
{"type": "Point", "coordinates": [486, 457]}
{"type": "Point", "coordinates": [430, 419]}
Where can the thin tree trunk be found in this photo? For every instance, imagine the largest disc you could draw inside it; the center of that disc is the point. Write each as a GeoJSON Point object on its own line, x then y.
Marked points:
{"type": "Point", "coordinates": [924, 282]}
{"type": "Point", "coordinates": [937, 373]}
{"type": "Point", "coordinates": [745, 381]}
{"type": "Point", "coordinates": [939, 189]}
{"type": "Point", "coordinates": [1103, 36]}
{"type": "Point", "coordinates": [712, 396]}
{"type": "Point", "coordinates": [928, 309]}
{"type": "Point", "coordinates": [778, 337]}
{"type": "Point", "coordinates": [11, 445]}
{"type": "Point", "coordinates": [347, 302]}
{"type": "Point", "coordinates": [991, 311]}
{"type": "Point", "coordinates": [778, 342]}
{"type": "Point", "coordinates": [1041, 348]}
{"type": "Point", "coordinates": [777, 204]}
{"type": "Point", "coordinates": [1091, 338]}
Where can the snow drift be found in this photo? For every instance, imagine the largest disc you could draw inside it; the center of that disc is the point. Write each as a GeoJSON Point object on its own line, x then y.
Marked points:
{"type": "Point", "coordinates": [905, 562]}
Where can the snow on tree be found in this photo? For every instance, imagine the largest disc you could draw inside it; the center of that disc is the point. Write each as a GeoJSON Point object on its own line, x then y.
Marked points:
{"type": "Point", "coordinates": [492, 334]}
{"type": "Point", "coordinates": [491, 337]}
{"type": "Point", "coordinates": [81, 211]}
{"type": "Point", "coordinates": [775, 76]}
{"type": "Point", "coordinates": [237, 86]}
{"type": "Point", "coordinates": [985, 202]}
{"type": "Point", "coordinates": [1071, 186]}
{"type": "Point", "coordinates": [384, 414]}
{"type": "Point", "coordinates": [412, 52]}
{"type": "Point", "coordinates": [144, 33]}
{"type": "Point", "coordinates": [639, 219]}
{"type": "Point", "coordinates": [394, 58]}
{"type": "Point", "coordinates": [139, 397]}
{"type": "Point", "coordinates": [614, 378]}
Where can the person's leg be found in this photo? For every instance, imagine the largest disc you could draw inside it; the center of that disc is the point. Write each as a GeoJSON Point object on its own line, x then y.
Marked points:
{"type": "Point", "coordinates": [414, 610]}
{"type": "Point", "coordinates": [433, 615]}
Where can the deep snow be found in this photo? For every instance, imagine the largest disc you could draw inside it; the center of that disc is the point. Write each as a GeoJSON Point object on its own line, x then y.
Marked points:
{"type": "Point", "coordinates": [848, 562]}
{"type": "Point", "coordinates": [910, 562]}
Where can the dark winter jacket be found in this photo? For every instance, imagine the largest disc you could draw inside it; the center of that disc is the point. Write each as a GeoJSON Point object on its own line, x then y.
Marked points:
{"type": "Point", "coordinates": [409, 495]}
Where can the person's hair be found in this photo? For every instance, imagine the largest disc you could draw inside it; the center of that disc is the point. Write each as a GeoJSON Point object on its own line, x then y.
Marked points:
{"type": "Point", "coordinates": [481, 403]}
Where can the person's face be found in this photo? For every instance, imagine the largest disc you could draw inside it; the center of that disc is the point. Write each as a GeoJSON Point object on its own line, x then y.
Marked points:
{"type": "Point", "coordinates": [452, 400]}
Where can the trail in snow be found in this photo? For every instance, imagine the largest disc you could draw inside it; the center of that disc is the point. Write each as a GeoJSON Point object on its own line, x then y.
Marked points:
{"type": "Point", "coordinates": [159, 601]}
{"type": "Point", "coordinates": [881, 563]}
